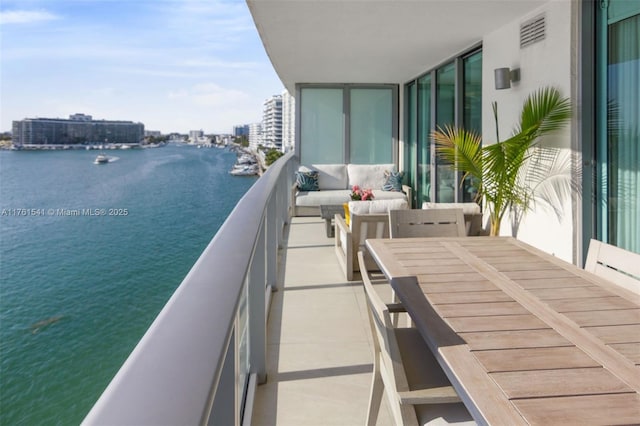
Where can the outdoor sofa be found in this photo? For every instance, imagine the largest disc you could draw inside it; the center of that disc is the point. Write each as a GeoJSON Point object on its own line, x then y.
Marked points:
{"type": "Point", "coordinates": [334, 183]}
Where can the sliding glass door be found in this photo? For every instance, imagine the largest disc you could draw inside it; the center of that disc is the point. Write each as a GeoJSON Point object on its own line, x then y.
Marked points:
{"type": "Point", "coordinates": [423, 114]}
{"type": "Point", "coordinates": [345, 123]}
{"type": "Point", "coordinates": [450, 95]}
{"type": "Point", "coordinates": [371, 121]}
{"type": "Point", "coordinates": [445, 116]}
{"type": "Point", "coordinates": [322, 125]}
{"type": "Point", "coordinates": [472, 110]}
{"type": "Point", "coordinates": [411, 138]}
{"type": "Point", "coordinates": [618, 145]}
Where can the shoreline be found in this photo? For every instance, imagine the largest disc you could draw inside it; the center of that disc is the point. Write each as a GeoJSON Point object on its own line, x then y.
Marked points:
{"type": "Point", "coordinates": [57, 147]}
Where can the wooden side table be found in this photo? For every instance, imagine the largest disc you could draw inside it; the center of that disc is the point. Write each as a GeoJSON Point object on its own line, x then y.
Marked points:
{"type": "Point", "coordinates": [327, 212]}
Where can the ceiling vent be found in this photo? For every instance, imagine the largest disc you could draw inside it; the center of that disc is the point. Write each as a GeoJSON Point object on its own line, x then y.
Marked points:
{"type": "Point", "coordinates": [532, 31]}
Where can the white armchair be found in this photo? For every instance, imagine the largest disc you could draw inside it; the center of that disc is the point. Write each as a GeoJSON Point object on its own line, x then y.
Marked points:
{"type": "Point", "coordinates": [368, 219]}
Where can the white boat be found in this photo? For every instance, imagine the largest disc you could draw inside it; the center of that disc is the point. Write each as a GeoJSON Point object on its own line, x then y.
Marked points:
{"type": "Point", "coordinates": [244, 170]}
{"type": "Point", "coordinates": [246, 159]}
{"type": "Point", "coordinates": [101, 159]}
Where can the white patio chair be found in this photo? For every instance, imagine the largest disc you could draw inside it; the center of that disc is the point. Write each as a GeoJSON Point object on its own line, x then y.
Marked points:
{"type": "Point", "coordinates": [614, 264]}
{"type": "Point", "coordinates": [427, 223]}
{"type": "Point", "coordinates": [417, 389]}
{"type": "Point", "coordinates": [349, 239]}
{"type": "Point", "coordinates": [368, 219]}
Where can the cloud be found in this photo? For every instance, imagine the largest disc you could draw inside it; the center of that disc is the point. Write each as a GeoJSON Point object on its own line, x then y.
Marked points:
{"type": "Point", "coordinates": [215, 63]}
{"type": "Point", "coordinates": [25, 16]}
{"type": "Point", "coordinates": [210, 94]}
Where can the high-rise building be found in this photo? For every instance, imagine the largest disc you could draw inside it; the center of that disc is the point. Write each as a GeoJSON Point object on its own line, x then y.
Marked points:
{"type": "Point", "coordinates": [288, 121]}
{"type": "Point", "coordinates": [272, 122]}
{"type": "Point", "coordinates": [78, 129]}
{"type": "Point", "coordinates": [255, 135]}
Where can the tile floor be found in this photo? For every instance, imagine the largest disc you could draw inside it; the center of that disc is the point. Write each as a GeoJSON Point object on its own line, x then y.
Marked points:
{"type": "Point", "coordinates": [319, 344]}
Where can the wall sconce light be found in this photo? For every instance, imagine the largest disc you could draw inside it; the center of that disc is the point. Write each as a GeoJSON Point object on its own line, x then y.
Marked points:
{"type": "Point", "coordinates": [504, 77]}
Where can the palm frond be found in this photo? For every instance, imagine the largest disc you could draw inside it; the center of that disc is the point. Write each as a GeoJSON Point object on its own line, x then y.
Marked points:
{"type": "Point", "coordinates": [544, 111]}
{"type": "Point", "coordinates": [460, 147]}
{"type": "Point", "coordinates": [499, 167]}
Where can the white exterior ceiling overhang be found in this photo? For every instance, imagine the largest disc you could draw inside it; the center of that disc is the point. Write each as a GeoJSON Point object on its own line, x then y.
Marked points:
{"type": "Point", "coordinates": [373, 41]}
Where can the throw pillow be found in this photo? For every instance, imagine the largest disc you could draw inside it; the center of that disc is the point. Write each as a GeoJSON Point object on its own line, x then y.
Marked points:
{"type": "Point", "coordinates": [307, 180]}
{"type": "Point", "coordinates": [393, 181]}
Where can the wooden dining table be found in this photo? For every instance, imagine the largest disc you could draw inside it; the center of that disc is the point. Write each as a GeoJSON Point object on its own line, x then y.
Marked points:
{"type": "Point", "coordinates": [524, 337]}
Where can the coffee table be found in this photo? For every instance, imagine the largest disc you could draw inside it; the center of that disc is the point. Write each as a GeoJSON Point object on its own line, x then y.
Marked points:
{"type": "Point", "coordinates": [327, 212]}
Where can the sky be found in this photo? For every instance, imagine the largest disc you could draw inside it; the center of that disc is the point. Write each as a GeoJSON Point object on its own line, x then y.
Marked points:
{"type": "Point", "coordinates": [173, 65]}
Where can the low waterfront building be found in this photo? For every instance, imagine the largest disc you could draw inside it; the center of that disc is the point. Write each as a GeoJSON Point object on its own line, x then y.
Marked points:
{"type": "Point", "coordinates": [78, 129]}
{"type": "Point", "coordinates": [241, 130]}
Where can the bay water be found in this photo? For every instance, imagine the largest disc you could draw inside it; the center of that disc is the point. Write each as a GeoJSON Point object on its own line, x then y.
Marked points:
{"type": "Point", "coordinates": [89, 255]}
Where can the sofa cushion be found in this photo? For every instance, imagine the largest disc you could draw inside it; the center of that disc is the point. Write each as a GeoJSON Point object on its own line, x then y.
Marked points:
{"type": "Point", "coordinates": [330, 176]}
{"type": "Point", "coordinates": [393, 181]}
{"type": "Point", "coordinates": [307, 180]}
{"type": "Point", "coordinates": [379, 194]}
{"type": "Point", "coordinates": [377, 206]}
{"type": "Point", "coordinates": [368, 176]}
{"type": "Point", "coordinates": [384, 206]}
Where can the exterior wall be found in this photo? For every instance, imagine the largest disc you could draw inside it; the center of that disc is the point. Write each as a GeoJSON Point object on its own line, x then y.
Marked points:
{"type": "Point", "coordinates": [548, 62]}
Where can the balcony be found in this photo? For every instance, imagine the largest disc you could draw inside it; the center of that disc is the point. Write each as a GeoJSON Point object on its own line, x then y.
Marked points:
{"type": "Point", "coordinates": [263, 330]}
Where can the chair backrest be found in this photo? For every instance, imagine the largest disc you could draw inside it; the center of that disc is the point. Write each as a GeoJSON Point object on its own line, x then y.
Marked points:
{"type": "Point", "coordinates": [427, 223]}
{"type": "Point", "coordinates": [385, 345]}
{"type": "Point", "coordinates": [365, 226]}
{"type": "Point", "coordinates": [472, 215]}
{"type": "Point", "coordinates": [614, 264]}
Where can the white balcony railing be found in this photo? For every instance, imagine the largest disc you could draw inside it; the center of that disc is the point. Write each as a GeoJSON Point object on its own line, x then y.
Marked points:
{"type": "Point", "coordinates": [205, 352]}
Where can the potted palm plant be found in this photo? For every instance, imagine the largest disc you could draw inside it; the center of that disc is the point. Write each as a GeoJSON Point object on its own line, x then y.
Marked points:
{"type": "Point", "coordinates": [497, 168]}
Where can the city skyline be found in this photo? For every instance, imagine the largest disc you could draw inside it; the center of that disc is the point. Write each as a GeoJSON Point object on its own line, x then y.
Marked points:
{"type": "Point", "coordinates": [174, 65]}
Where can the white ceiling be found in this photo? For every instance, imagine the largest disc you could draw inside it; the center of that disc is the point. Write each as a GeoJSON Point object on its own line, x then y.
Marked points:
{"type": "Point", "coordinates": [373, 41]}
